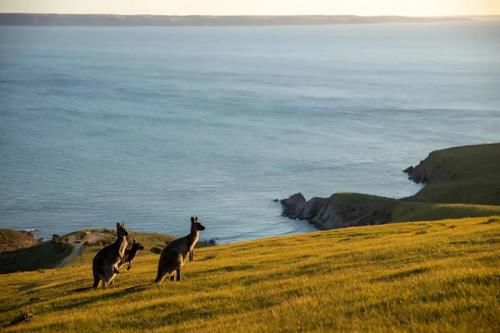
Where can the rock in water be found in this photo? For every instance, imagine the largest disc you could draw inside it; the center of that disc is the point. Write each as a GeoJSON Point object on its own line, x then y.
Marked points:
{"type": "Point", "coordinates": [418, 174]}
{"type": "Point", "coordinates": [293, 206]}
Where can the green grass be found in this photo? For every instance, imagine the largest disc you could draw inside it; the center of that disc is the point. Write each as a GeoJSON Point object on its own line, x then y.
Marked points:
{"type": "Point", "coordinates": [471, 164]}
{"type": "Point", "coordinates": [488, 194]}
{"type": "Point", "coordinates": [467, 174]}
{"type": "Point", "coordinates": [416, 211]}
{"type": "Point", "coordinates": [364, 209]}
{"type": "Point", "coordinates": [441, 276]}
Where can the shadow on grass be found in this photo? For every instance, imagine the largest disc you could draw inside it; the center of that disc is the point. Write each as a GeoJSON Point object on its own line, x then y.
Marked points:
{"type": "Point", "coordinates": [228, 268]}
{"type": "Point", "coordinates": [97, 295]}
{"type": "Point", "coordinates": [43, 255]}
{"type": "Point", "coordinates": [491, 221]}
{"type": "Point", "coordinates": [401, 275]}
{"type": "Point", "coordinates": [169, 314]}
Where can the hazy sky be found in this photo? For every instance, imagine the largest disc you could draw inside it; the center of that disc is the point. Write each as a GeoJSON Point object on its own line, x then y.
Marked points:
{"type": "Point", "coordinates": [257, 7]}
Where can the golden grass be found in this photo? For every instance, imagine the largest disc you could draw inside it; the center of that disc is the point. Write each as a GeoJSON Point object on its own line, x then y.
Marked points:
{"type": "Point", "coordinates": [441, 276]}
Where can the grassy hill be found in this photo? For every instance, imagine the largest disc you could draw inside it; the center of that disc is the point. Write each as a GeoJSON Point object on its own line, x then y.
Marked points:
{"type": "Point", "coordinates": [375, 208]}
{"type": "Point", "coordinates": [21, 251]}
{"type": "Point", "coordinates": [441, 276]}
{"type": "Point", "coordinates": [467, 174]}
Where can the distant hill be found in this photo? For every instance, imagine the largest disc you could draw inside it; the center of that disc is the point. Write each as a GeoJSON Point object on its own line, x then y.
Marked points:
{"type": "Point", "coordinates": [12, 240]}
{"type": "Point", "coordinates": [197, 20]}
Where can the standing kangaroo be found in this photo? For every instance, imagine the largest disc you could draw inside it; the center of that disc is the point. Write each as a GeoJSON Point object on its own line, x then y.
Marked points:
{"type": "Point", "coordinates": [174, 255]}
{"type": "Point", "coordinates": [106, 261]}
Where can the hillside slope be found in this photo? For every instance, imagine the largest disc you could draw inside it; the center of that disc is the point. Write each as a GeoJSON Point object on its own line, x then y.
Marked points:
{"type": "Point", "coordinates": [20, 251]}
{"type": "Point", "coordinates": [425, 276]}
{"type": "Point", "coordinates": [468, 174]}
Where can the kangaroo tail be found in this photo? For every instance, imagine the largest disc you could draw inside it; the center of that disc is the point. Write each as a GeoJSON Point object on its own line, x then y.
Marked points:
{"type": "Point", "coordinates": [161, 272]}
{"type": "Point", "coordinates": [97, 277]}
{"type": "Point", "coordinates": [160, 276]}
{"type": "Point", "coordinates": [168, 263]}
{"type": "Point", "coordinates": [98, 271]}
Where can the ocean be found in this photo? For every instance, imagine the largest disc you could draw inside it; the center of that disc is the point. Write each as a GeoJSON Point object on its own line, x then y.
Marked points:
{"type": "Point", "coordinates": [153, 125]}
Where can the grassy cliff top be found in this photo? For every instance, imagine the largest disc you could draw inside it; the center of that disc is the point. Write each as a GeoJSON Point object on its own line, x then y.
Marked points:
{"type": "Point", "coordinates": [424, 276]}
{"type": "Point", "coordinates": [405, 211]}
{"type": "Point", "coordinates": [468, 174]}
{"type": "Point", "coordinates": [475, 163]}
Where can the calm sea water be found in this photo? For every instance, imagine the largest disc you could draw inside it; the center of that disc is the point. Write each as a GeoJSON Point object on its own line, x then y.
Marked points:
{"type": "Point", "coordinates": [153, 125]}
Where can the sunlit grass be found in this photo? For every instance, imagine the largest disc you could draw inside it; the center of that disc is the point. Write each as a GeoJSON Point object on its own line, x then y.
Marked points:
{"type": "Point", "coordinates": [424, 276]}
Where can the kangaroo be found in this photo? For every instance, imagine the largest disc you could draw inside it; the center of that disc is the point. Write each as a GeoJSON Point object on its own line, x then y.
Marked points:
{"type": "Point", "coordinates": [174, 255]}
{"type": "Point", "coordinates": [131, 254]}
{"type": "Point", "coordinates": [105, 263]}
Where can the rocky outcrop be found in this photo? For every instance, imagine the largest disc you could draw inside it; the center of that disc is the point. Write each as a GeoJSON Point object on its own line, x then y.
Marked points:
{"type": "Point", "coordinates": [12, 240]}
{"type": "Point", "coordinates": [418, 174]}
{"type": "Point", "coordinates": [293, 206]}
{"type": "Point", "coordinates": [429, 170]}
{"type": "Point", "coordinates": [339, 210]}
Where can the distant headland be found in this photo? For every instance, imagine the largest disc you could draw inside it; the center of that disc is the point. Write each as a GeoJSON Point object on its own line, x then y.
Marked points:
{"type": "Point", "coordinates": [459, 182]}
{"type": "Point", "coordinates": [29, 19]}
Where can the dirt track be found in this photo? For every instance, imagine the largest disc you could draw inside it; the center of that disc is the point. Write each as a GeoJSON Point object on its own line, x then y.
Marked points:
{"type": "Point", "coordinates": [92, 237]}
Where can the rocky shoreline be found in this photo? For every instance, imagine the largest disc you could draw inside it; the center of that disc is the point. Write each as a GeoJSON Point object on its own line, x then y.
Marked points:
{"type": "Point", "coordinates": [466, 175]}
{"type": "Point", "coordinates": [339, 210]}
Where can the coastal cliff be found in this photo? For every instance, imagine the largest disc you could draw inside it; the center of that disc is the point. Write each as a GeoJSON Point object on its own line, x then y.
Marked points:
{"type": "Point", "coordinates": [12, 240]}
{"type": "Point", "coordinates": [467, 174]}
{"type": "Point", "coordinates": [339, 210]}
{"type": "Point", "coordinates": [459, 182]}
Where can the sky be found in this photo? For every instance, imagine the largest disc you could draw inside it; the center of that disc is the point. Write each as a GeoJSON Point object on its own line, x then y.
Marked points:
{"type": "Point", "coordinates": [257, 7]}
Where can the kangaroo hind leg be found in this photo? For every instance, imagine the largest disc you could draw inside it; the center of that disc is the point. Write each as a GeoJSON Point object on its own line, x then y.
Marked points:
{"type": "Point", "coordinates": [97, 279]}
{"type": "Point", "coordinates": [160, 275]}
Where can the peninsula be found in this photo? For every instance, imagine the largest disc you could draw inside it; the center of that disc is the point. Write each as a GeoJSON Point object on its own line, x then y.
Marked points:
{"type": "Point", "coordinates": [458, 182]}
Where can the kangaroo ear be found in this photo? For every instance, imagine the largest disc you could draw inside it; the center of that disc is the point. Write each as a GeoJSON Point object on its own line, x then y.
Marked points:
{"type": "Point", "coordinates": [133, 242]}
{"type": "Point", "coordinates": [192, 219]}
{"type": "Point", "coordinates": [196, 218]}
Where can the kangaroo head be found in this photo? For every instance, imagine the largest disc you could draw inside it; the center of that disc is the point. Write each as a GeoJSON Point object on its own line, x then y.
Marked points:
{"type": "Point", "coordinates": [196, 224]}
{"type": "Point", "coordinates": [121, 231]}
{"type": "Point", "coordinates": [137, 246]}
